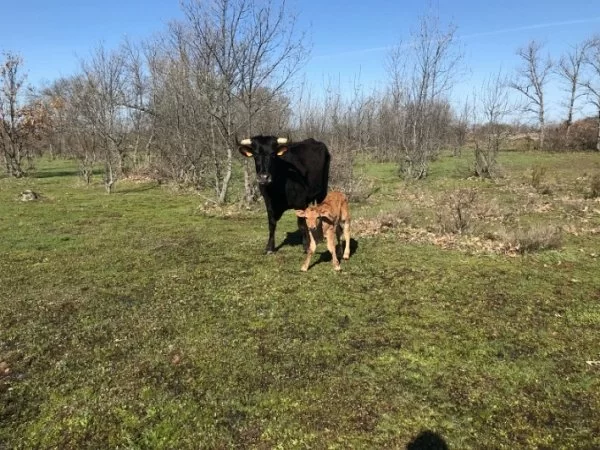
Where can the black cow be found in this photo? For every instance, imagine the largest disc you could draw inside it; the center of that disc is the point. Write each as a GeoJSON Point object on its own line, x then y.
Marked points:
{"type": "Point", "coordinates": [291, 175]}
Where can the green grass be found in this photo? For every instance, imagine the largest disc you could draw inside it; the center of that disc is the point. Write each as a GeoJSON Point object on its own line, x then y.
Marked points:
{"type": "Point", "coordinates": [142, 320]}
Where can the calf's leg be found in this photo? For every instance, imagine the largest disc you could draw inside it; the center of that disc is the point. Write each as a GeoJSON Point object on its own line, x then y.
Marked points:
{"type": "Point", "coordinates": [347, 239]}
{"type": "Point", "coordinates": [330, 236]}
{"type": "Point", "coordinates": [311, 249]}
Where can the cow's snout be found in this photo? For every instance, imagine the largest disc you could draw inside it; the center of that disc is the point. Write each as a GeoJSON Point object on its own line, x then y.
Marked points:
{"type": "Point", "coordinates": [264, 178]}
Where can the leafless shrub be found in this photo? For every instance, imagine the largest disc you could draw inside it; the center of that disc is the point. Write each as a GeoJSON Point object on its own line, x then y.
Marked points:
{"type": "Point", "coordinates": [456, 212]}
{"type": "Point", "coordinates": [594, 186]}
{"type": "Point", "coordinates": [384, 222]}
{"type": "Point", "coordinates": [538, 173]}
{"type": "Point", "coordinates": [492, 108]}
{"type": "Point", "coordinates": [535, 238]}
{"type": "Point", "coordinates": [390, 221]}
{"type": "Point", "coordinates": [421, 75]}
{"type": "Point", "coordinates": [574, 208]}
{"type": "Point", "coordinates": [357, 188]}
{"type": "Point", "coordinates": [402, 214]}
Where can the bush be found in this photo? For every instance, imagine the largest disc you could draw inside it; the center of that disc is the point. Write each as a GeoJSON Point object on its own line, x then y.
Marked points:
{"type": "Point", "coordinates": [582, 136]}
{"type": "Point", "coordinates": [537, 176]}
{"type": "Point", "coordinates": [456, 211]}
{"type": "Point", "coordinates": [595, 186]}
{"type": "Point", "coordinates": [535, 238]}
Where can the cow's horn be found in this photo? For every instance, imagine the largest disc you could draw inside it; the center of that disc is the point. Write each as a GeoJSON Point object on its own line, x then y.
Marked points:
{"type": "Point", "coordinates": [246, 142]}
{"type": "Point", "coordinates": [282, 140]}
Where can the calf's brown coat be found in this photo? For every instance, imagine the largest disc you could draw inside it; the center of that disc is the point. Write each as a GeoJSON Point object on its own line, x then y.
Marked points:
{"type": "Point", "coordinates": [335, 218]}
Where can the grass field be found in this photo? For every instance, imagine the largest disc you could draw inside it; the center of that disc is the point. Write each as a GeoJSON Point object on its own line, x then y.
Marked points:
{"type": "Point", "coordinates": [146, 319]}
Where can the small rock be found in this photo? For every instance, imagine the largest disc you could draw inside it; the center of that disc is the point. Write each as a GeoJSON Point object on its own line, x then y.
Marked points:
{"type": "Point", "coordinates": [29, 195]}
{"type": "Point", "coordinates": [4, 369]}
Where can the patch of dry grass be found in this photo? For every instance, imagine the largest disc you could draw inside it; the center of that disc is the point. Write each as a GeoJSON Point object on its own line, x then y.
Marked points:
{"type": "Point", "coordinates": [534, 238]}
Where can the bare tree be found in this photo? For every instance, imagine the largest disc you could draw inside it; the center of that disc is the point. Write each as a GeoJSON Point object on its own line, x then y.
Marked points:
{"type": "Point", "coordinates": [137, 99]}
{"type": "Point", "coordinates": [568, 70]}
{"type": "Point", "coordinates": [73, 131]}
{"type": "Point", "coordinates": [421, 75]}
{"type": "Point", "coordinates": [270, 54]}
{"type": "Point", "coordinates": [531, 80]}
{"type": "Point", "coordinates": [492, 108]}
{"type": "Point", "coordinates": [461, 126]}
{"type": "Point", "coordinates": [242, 52]}
{"type": "Point", "coordinates": [592, 85]}
{"type": "Point", "coordinates": [178, 109]}
{"type": "Point", "coordinates": [12, 132]}
{"type": "Point", "coordinates": [104, 80]}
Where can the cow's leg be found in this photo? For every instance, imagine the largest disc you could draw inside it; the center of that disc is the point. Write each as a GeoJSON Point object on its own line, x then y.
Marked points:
{"type": "Point", "coordinates": [311, 250]}
{"type": "Point", "coordinates": [270, 248]}
{"type": "Point", "coordinates": [330, 236]}
{"type": "Point", "coordinates": [305, 234]}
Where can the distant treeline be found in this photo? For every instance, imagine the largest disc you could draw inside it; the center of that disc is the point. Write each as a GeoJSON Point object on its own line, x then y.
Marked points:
{"type": "Point", "coordinates": [174, 106]}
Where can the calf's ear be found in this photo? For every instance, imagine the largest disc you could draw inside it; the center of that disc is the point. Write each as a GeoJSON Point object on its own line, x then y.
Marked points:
{"type": "Point", "coordinates": [326, 214]}
{"type": "Point", "coordinates": [300, 213]}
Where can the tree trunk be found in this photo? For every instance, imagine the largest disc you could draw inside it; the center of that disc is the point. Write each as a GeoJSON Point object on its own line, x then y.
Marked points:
{"type": "Point", "coordinates": [109, 179]}
{"type": "Point", "coordinates": [542, 128]}
{"type": "Point", "coordinates": [226, 177]}
{"type": "Point", "coordinates": [249, 190]}
{"type": "Point", "coordinates": [569, 123]}
{"type": "Point", "coordinates": [598, 140]}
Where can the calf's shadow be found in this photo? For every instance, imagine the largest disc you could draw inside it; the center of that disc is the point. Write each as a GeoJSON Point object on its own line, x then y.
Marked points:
{"type": "Point", "coordinates": [294, 238]}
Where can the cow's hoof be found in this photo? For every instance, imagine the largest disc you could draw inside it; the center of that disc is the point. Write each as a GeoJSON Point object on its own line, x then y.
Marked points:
{"type": "Point", "coordinates": [337, 268]}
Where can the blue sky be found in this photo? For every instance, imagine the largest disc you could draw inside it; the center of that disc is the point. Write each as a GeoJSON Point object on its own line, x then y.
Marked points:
{"type": "Point", "coordinates": [348, 37]}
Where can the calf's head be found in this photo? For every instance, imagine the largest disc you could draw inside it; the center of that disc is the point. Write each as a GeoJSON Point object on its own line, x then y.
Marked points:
{"type": "Point", "coordinates": [264, 149]}
{"type": "Point", "coordinates": [314, 215]}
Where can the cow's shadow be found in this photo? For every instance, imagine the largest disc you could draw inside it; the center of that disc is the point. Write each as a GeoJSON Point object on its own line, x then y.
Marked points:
{"type": "Point", "coordinates": [292, 239]}
{"type": "Point", "coordinates": [427, 440]}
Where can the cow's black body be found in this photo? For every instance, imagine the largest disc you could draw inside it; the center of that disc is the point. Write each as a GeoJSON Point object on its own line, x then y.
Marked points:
{"type": "Point", "coordinates": [290, 176]}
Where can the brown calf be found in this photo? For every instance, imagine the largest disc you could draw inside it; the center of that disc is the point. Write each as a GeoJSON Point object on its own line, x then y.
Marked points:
{"type": "Point", "coordinates": [335, 217]}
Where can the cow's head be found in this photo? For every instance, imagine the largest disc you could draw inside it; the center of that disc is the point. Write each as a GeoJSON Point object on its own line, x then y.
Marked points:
{"type": "Point", "coordinates": [264, 149]}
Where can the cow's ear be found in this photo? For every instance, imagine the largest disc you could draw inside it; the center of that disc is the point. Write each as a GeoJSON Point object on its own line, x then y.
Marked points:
{"type": "Point", "coordinates": [246, 151]}
{"type": "Point", "coordinates": [300, 213]}
{"type": "Point", "coordinates": [281, 150]}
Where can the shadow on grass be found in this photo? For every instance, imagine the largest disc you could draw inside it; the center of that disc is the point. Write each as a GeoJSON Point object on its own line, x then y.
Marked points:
{"type": "Point", "coordinates": [292, 239]}
{"type": "Point", "coordinates": [427, 440]}
{"type": "Point", "coordinates": [54, 173]}
{"type": "Point", "coordinates": [295, 238]}
{"type": "Point", "coordinates": [325, 256]}
{"type": "Point", "coordinates": [145, 187]}
{"type": "Point", "coordinates": [51, 173]}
